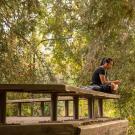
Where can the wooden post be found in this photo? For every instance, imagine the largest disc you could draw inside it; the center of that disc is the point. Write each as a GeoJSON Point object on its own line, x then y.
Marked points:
{"type": "Point", "coordinates": [90, 107]}
{"type": "Point", "coordinates": [54, 107]}
{"type": "Point", "coordinates": [93, 107]}
{"type": "Point", "coordinates": [90, 111]}
{"type": "Point", "coordinates": [32, 103]}
{"type": "Point", "coordinates": [32, 106]}
{"type": "Point", "coordinates": [76, 107]}
{"type": "Point", "coordinates": [100, 107]}
{"type": "Point", "coordinates": [2, 106]}
{"type": "Point", "coordinates": [66, 108]}
{"type": "Point", "coordinates": [42, 108]}
{"type": "Point", "coordinates": [19, 109]}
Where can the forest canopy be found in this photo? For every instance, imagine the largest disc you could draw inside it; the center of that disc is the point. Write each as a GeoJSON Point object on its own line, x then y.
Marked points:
{"type": "Point", "coordinates": [45, 41]}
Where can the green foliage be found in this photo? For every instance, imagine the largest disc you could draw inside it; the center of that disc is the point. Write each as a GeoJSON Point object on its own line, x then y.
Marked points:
{"type": "Point", "coordinates": [47, 41]}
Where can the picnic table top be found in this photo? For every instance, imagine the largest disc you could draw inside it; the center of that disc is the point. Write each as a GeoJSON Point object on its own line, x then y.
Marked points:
{"type": "Point", "coordinates": [59, 89]}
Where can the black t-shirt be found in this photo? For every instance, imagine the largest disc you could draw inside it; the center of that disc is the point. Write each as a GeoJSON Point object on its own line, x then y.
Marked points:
{"type": "Point", "coordinates": [96, 77]}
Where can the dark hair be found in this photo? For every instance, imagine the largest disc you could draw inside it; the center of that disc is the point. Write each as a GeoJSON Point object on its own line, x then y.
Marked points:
{"type": "Point", "coordinates": [105, 60]}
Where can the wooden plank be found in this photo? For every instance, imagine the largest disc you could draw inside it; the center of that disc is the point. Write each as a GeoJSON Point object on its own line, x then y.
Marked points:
{"type": "Point", "coordinates": [54, 107]}
{"type": "Point", "coordinates": [39, 129]}
{"type": "Point", "coordinates": [2, 106]}
{"type": "Point", "coordinates": [76, 107]}
{"type": "Point", "coordinates": [39, 100]}
{"type": "Point", "coordinates": [84, 94]}
{"type": "Point", "coordinates": [87, 91]}
{"type": "Point", "coordinates": [115, 127]}
{"type": "Point", "coordinates": [34, 88]}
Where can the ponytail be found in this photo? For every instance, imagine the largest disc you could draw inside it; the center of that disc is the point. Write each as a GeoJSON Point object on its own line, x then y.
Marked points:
{"type": "Point", "coordinates": [105, 60]}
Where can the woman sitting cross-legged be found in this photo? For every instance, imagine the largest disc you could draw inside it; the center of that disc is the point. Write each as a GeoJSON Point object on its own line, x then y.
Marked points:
{"type": "Point", "coordinates": [100, 80]}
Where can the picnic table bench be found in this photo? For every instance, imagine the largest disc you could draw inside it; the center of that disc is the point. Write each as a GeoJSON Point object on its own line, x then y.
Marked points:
{"type": "Point", "coordinates": [56, 90]}
{"type": "Point", "coordinates": [19, 103]}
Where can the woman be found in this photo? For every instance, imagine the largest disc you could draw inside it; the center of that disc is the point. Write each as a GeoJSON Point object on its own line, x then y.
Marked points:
{"type": "Point", "coordinates": [99, 78]}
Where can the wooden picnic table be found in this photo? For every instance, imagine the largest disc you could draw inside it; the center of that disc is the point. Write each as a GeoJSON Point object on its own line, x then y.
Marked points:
{"type": "Point", "coordinates": [56, 90]}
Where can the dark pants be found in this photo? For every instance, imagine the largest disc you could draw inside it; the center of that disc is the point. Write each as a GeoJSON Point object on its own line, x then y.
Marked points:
{"type": "Point", "coordinates": [106, 88]}
{"type": "Point", "coordinates": [103, 88]}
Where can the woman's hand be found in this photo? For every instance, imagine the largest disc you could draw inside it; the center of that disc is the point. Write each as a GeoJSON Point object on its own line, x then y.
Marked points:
{"type": "Point", "coordinates": [117, 81]}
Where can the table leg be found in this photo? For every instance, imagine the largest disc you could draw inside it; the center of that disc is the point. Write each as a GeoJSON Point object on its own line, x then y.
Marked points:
{"type": "Point", "coordinates": [54, 107]}
{"type": "Point", "coordinates": [42, 108]}
{"type": "Point", "coordinates": [76, 107]}
{"type": "Point", "coordinates": [100, 107]}
{"type": "Point", "coordinates": [66, 108]}
{"type": "Point", "coordinates": [2, 107]}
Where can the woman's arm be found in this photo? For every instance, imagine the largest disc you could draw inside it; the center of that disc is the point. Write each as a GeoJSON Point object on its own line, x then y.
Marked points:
{"type": "Point", "coordinates": [105, 80]}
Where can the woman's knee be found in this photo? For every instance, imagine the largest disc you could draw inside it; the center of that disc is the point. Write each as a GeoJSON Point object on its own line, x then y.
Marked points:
{"type": "Point", "coordinates": [114, 86]}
